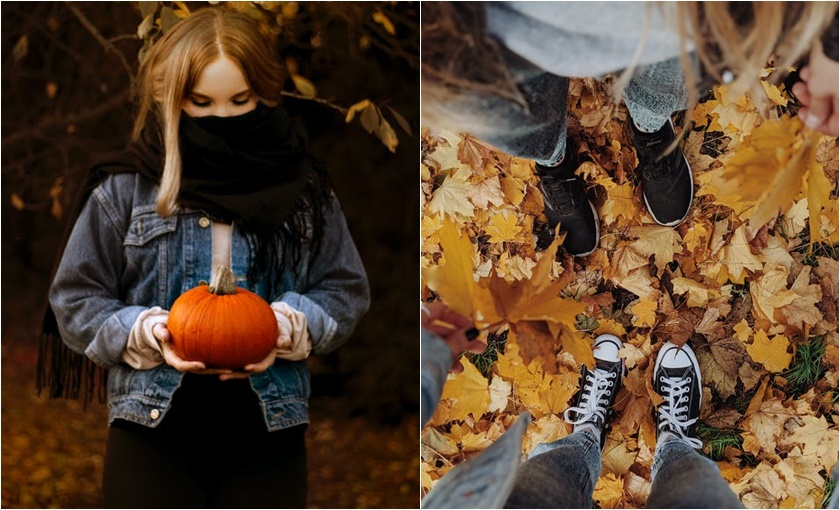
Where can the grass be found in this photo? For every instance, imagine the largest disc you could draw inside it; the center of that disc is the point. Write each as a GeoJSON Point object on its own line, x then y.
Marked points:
{"type": "Point", "coordinates": [807, 367]}
{"type": "Point", "coordinates": [484, 361]}
{"type": "Point", "coordinates": [830, 485]}
{"type": "Point", "coordinates": [717, 440]}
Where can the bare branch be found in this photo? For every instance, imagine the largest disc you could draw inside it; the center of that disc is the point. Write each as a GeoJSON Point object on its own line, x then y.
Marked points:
{"type": "Point", "coordinates": [109, 47]}
{"type": "Point", "coordinates": [316, 100]}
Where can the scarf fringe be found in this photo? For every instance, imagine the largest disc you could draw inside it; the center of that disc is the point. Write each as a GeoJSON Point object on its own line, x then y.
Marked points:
{"type": "Point", "coordinates": [67, 374]}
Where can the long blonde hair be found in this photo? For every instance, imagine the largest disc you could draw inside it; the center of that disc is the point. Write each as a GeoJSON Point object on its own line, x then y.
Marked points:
{"type": "Point", "coordinates": [173, 65]}
{"type": "Point", "coordinates": [460, 56]}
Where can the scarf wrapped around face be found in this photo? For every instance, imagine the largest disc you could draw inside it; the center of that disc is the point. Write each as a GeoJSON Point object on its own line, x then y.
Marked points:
{"type": "Point", "coordinates": [251, 170]}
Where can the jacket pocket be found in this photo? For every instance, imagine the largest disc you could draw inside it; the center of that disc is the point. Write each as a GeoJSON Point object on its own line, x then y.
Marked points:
{"type": "Point", "coordinates": [146, 225]}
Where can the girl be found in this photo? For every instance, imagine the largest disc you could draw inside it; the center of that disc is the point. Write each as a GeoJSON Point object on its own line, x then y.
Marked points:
{"type": "Point", "coordinates": [216, 175]}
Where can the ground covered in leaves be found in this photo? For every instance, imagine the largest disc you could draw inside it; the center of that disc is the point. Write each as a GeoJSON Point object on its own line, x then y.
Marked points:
{"type": "Point", "coordinates": [749, 280]}
{"type": "Point", "coordinates": [53, 450]}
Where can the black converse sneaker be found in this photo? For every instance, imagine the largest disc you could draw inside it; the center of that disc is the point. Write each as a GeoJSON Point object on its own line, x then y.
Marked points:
{"type": "Point", "coordinates": [676, 377]}
{"type": "Point", "coordinates": [593, 406]}
{"type": "Point", "coordinates": [565, 202]}
{"type": "Point", "coordinates": [667, 184]}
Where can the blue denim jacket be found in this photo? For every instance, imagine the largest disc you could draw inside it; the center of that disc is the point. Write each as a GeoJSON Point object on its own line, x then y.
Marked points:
{"type": "Point", "coordinates": [123, 258]}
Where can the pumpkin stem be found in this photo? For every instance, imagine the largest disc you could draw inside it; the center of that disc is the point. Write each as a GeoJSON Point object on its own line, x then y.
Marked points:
{"type": "Point", "coordinates": [223, 282]}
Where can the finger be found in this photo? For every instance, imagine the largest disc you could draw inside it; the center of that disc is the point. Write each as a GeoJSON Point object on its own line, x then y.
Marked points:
{"type": "Point", "coordinates": [800, 91]}
{"type": "Point", "coordinates": [284, 342]}
{"type": "Point", "coordinates": [818, 112]}
{"type": "Point", "coordinates": [161, 332]}
{"type": "Point", "coordinates": [476, 347]}
{"type": "Point", "coordinates": [829, 127]}
{"type": "Point", "coordinates": [805, 73]}
{"type": "Point", "coordinates": [233, 375]}
{"type": "Point", "coordinates": [177, 363]}
{"type": "Point", "coordinates": [457, 367]}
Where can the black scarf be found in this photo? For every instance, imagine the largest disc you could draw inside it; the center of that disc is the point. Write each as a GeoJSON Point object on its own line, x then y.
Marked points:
{"type": "Point", "coordinates": [250, 169]}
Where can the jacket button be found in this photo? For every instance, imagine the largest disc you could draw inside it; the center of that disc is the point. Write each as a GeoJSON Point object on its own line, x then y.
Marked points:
{"type": "Point", "coordinates": [202, 282]}
{"type": "Point", "coordinates": [154, 414]}
{"type": "Point", "coordinates": [204, 222]}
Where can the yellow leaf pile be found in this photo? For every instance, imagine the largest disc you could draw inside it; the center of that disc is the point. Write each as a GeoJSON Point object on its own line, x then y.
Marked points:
{"type": "Point", "coordinates": [750, 280]}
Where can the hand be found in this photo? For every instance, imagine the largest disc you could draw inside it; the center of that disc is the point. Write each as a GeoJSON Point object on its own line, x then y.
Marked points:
{"type": "Point", "coordinates": [456, 331]}
{"type": "Point", "coordinates": [817, 92]}
{"type": "Point", "coordinates": [172, 359]}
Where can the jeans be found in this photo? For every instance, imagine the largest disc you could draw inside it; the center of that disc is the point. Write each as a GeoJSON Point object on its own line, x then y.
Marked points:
{"type": "Point", "coordinates": [563, 474]}
{"type": "Point", "coordinates": [538, 131]}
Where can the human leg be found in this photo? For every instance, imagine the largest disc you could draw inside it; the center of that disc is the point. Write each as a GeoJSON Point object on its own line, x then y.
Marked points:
{"type": "Point", "coordinates": [652, 96]}
{"type": "Point", "coordinates": [141, 471]}
{"type": "Point", "coordinates": [563, 474]}
{"type": "Point", "coordinates": [268, 470]}
{"type": "Point", "coordinates": [682, 477]}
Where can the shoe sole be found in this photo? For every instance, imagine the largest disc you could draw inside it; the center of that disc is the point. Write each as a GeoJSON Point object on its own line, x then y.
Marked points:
{"type": "Point", "coordinates": [668, 346]}
{"type": "Point", "coordinates": [690, 200]}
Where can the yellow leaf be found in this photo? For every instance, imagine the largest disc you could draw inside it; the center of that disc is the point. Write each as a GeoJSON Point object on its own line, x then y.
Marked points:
{"type": "Point", "coordinates": [451, 197]}
{"type": "Point", "coordinates": [819, 191]}
{"type": "Point", "coordinates": [774, 94]}
{"type": "Point", "coordinates": [356, 108]}
{"type": "Point", "coordinates": [503, 227]}
{"type": "Point", "coordinates": [385, 22]}
{"type": "Point", "coordinates": [698, 294]}
{"type": "Point", "coordinates": [453, 279]}
{"type": "Point", "coordinates": [17, 202]}
{"type": "Point", "coordinates": [469, 390]}
{"type": "Point", "coordinates": [772, 353]}
{"type": "Point", "coordinates": [644, 313]}
{"type": "Point", "coordinates": [743, 331]}
{"type": "Point", "coordinates": [487, 192]}
{"type": "Point", "coordinates": [304, 86]}
{"type": "Point", "coordinates": [659, 241]}
{"type": "Point", "coordinates": [816, 438]}
{"type": "Point", "coordinates": [499, 394]}
{"type": "Point", "coordinates": [609, 491]}
{"type": "Point", "coordinates": [763, 428]}
{"type": "Point", "coordinates": [737, 256]}
{"type": "Point", "coordinates": [619, 204]}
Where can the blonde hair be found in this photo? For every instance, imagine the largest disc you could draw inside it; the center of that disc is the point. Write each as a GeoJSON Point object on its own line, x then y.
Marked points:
{"type": "Point", "coordinates": [173, 65]}
{"type": "Point", "coordinates": [738, 37]}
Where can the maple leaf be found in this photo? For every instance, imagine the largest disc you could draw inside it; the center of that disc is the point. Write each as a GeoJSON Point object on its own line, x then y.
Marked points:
{"type": "Point", "coordinates": [547, 429]}
{"type": "Point", "coordinates": [451, 197]}
{"type": "Point", "coordinates": [487, 192]}
{"type": "Point", "coordinates": [699, 295]}
{"type": "Point", "coordinates": [644, 313]}
{"type": "Point", "coordinates": [615, 457]}
{"type": "Point", "coordinates": [816, 439]}
{"type": "Point", "coordinates": [763, 427]}
{"type": "Point", "coordinates": [659, 241]}
{"type": "Point", "coordinates": [737, 256]}
{"type": "Point", "coordinates": [772, 353]}
{"type": "Point", "coordinates": [503, 227]}
{"type": "Point", "coordinates": [469, 391]}
{"type": "Point", "coordinates": [620, 203]}
{"type": "Point", "coordinates": [499, 392]}
{"type": "Point", "coordinates": [768, 167]}
{"type": "Point", "coordinates": [609, 491]}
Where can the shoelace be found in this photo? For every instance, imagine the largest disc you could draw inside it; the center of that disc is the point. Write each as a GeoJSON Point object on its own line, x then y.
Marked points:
{"type": "Point", "coordinates": [595, 398]}
{"type": "Point", "coordinates": [560, 193]}
{"type": "Point", "coordinates": [672, 414]}
{"type": "Point", "coordinates": [653, 163]}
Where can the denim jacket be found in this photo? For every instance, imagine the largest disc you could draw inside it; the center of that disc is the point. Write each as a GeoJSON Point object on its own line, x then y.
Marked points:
{"type": "Point", "coordinates": [123, 258]}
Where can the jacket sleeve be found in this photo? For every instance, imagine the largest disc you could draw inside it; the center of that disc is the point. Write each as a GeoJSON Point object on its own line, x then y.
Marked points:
{"type": "Point", "coordinates": [336, 293]}
{"type": "Point", "coordinates": [85, 292]}
{"type": "Point", "coordinates": [435, 361]}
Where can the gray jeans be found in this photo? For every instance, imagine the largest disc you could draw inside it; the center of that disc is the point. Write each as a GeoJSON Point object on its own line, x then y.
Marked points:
{"type": "Point", "coordinates": [562, 474]}
{"type": "Point", "coordinates": [538, 132]}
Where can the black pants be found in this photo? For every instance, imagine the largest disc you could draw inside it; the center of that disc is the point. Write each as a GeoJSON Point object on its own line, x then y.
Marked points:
{"type": "Point", "coordinates": [212, 450]}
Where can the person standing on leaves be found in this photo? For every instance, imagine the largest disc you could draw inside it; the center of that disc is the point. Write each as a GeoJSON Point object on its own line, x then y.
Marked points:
{"type": "Point", "coordinates": [500, 71]}
{"type": "Point", "coordinates": [217, 174]}
{"type": "Point", "coordinates": [563, 473]}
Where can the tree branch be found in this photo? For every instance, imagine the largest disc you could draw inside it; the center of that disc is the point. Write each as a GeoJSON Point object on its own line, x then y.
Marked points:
{"type": "Point", "coordinates": [109, 47]}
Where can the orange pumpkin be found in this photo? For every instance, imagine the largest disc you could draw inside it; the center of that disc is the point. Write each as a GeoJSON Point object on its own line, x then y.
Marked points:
{"type": "Point", "coordinates": [222, 325]}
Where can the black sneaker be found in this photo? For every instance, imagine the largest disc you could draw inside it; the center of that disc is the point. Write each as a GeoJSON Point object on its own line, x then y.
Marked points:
{"type": "Point", "coordinates": [676, 377]}
{"type": "Point", "coordinates": [599, 387]}
{"type": "Point", "coordinates": [565, 203]}
{"type": "Point", "coordinates": [667, 184]}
